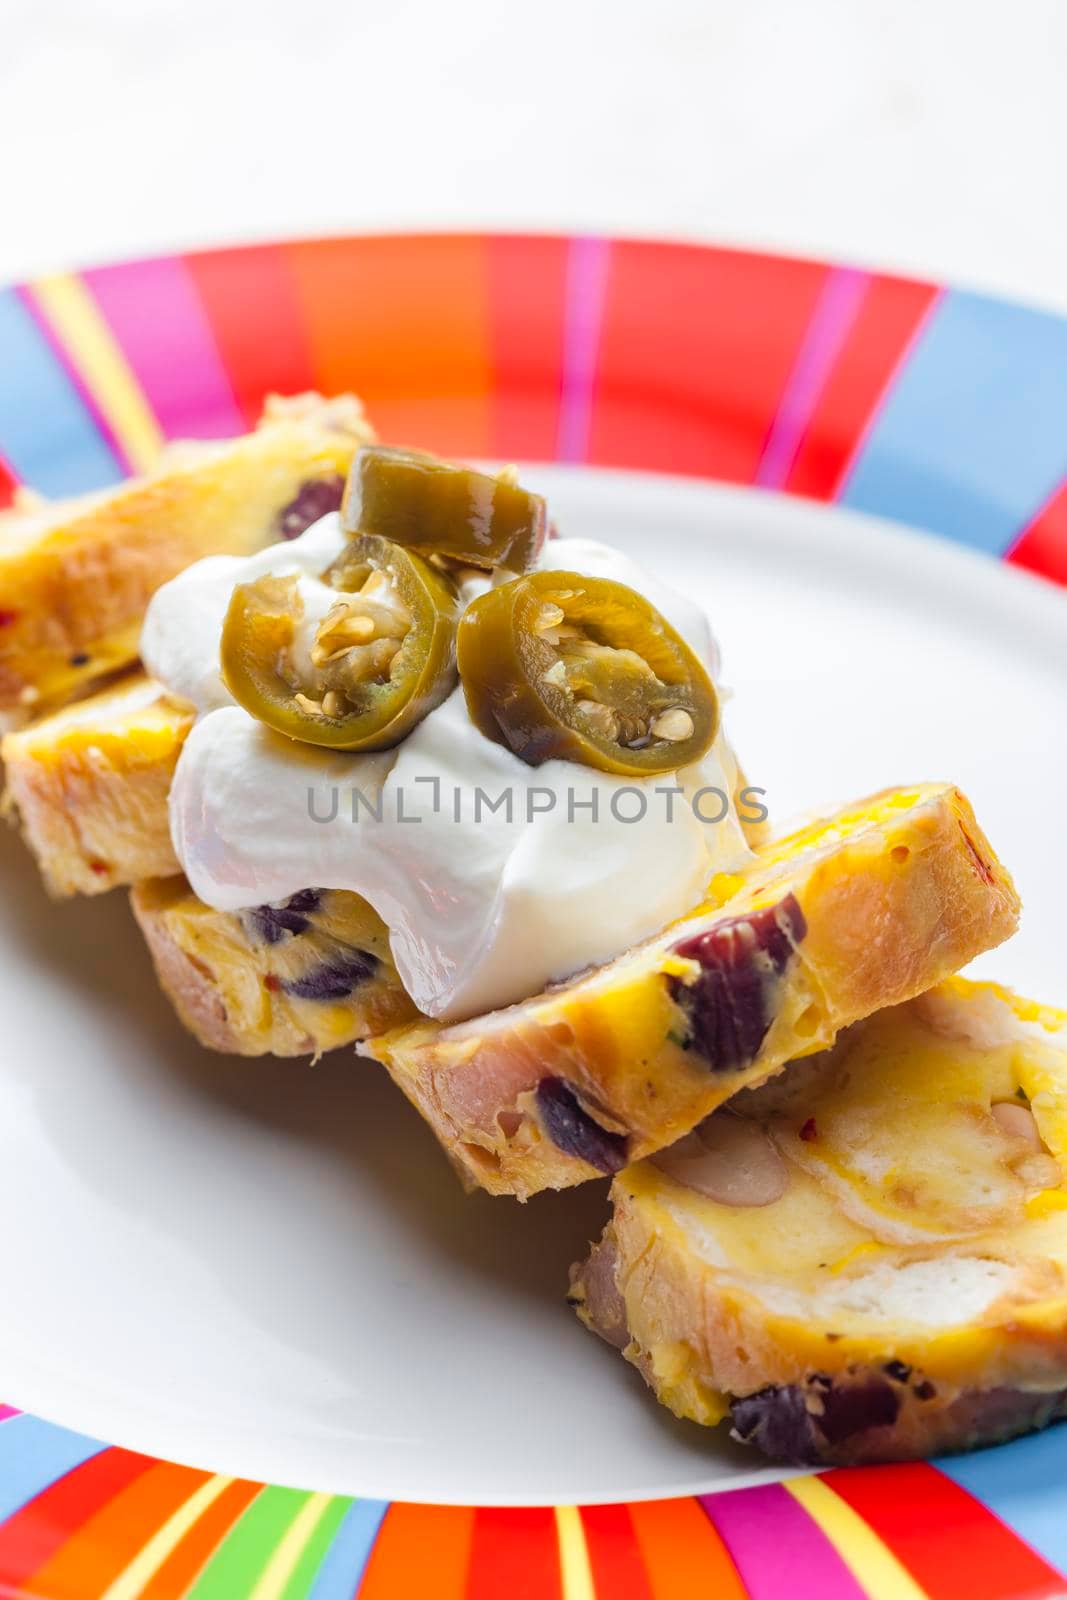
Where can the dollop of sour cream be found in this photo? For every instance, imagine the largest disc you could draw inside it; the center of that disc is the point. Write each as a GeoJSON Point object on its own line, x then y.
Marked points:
{"type": "Point", "coordinates": [493, 878]}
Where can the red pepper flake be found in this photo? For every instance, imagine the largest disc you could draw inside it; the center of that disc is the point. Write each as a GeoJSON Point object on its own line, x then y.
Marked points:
{"type": "Point", "coordinates": [99, 867]}
{"type": "Point", "coordinates": [7, 618]}
{"type": "Point", "coordinates": [808, 1131]}
{"type": "Point", "coordinates": [272, 982]}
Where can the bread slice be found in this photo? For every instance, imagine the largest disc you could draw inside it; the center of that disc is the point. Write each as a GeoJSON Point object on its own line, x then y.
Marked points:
{"type": "Point", "coordinates": [76, 576]}
{"type": "Point", "coordinates": [858, 911]}
{"type": "Point", "coordinates": [288, 980]}
{"type": "Point", "coordinates": [89, 785]}
{"type": "Point", "coordinates": [865, 1260]}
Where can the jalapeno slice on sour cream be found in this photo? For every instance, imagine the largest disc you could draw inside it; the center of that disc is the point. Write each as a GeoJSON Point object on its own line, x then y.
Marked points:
{"type": "Point", "coordinates": [440, 508]}
{"type": "Point", "coordinates": [559, 666]}
{"type": "Point", "coordinates": [383, 656]}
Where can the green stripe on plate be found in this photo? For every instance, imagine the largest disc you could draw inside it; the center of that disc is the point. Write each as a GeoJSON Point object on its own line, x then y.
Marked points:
{"type": "Point", "coordinates": [249, 1545]}
{"type": "Point", "coordinates": [306, 1569]}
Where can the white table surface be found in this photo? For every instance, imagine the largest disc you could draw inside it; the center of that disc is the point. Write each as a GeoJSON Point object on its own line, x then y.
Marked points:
{"type": "Point", "coordinates": [924, 135]}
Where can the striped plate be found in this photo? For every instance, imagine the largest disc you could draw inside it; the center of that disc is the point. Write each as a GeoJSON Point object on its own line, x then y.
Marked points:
{"type": "Point", "coordinates": [935, 407]}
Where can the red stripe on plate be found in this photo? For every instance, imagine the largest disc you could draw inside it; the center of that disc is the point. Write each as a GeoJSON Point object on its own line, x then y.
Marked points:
{"type": "Point", "coordinates": [420, 1550]}
{"type": "Point", "coordinates": [252, 306]}
{"type": "Point", "coordinates": [514, 1552]}
{"type": "Point", "coordinates": [405, 323]}
{"type": "Point", "coordinates": [842, 295]}
{"type": "Point", "coordinates": [953, 1547]}
{"type": "Point", "coordinates": [696, 349]}
{"type": "Point", "coordinates": [1042, 547]}
{"type": "Point", "coordinates": [880, 336]}
{"type": "Point", "coordinates": [527, 278]}
{"type": "Point", "coordinates": [614, 1553]}
{"type": "Point", "coordinates": [32, 1536]}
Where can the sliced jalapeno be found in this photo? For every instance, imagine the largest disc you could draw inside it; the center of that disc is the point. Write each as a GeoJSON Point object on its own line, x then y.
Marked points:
{"type": "Point", "coordinates": [442, 509]}
{"type": "Point", "coordinates": [584, 669]}
{"type": "Point", "coordinates": [381, 658]}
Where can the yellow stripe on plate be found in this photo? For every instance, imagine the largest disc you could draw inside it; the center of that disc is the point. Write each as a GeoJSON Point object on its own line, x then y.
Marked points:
{"type": "Point", "coordinates": [575, 1571]}
{"type": "Point", "coordinates": [103, 368]}
{"type": "Point", "coordinates": [874, 1567]}
{"type": "Point", "coordinates": [282, 1564]}
{"type": "Point", "coordinates": [147, 1562]}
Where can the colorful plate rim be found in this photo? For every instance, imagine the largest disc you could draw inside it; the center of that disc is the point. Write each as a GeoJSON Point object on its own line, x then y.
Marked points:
{"type": "Point", "coordinates": [936, 407]}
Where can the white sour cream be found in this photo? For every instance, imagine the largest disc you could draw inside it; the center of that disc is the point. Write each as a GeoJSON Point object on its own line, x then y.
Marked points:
{"type": "Point", "coordinates": [183, 624]}
{"type": "Point", "coordinates": [484, 906]}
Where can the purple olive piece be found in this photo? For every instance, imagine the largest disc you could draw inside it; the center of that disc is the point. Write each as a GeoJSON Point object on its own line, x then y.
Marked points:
{"type": "Point", "coordinates": [574, 1131]}
{"type": "Point", "coordinates": [333, 980]}
{"type": "Point", "coordinates": [778, 1420]}
{"type": "Point", "coordinates": [313, 500]}
{"type": "Point", "coordinates": [731, 1004]}
{"type": "Point", "coordinates": [272, 922]}
{"type": "Point", "coordinates": [850, 1408]}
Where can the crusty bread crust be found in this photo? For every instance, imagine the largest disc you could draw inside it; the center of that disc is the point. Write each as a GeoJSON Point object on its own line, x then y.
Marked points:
{"type": "Point", "coordinates": [188, 984]}
{"type": "Point", "coordinates": [89, 787]}
{"type": "Point", "coordinates": [860, 911]}
{"type": "Point", "coordinates": [76, 576]}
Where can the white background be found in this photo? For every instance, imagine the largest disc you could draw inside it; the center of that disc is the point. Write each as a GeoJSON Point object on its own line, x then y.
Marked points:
{"type": "Point", "coordinates": [928, 135]}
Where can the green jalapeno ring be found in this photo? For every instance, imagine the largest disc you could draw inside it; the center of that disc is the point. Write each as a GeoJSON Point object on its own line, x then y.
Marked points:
{"type": "Point", "coordinates": [442, 509]}
{"type": "Point", "coordinates": [559, 666]}
{"type": "Point", "coordinates": [374, 690]}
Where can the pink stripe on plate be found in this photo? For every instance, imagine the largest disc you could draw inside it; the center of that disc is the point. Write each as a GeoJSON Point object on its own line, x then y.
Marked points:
{"type": "Point", "coordinates": [588, 260]}
{"type": "Point", "coordinates": [835, 311]}
{"type": "Point", "coordinates": [9, 1411]}
{"type": "Point", "coordinates": [772, 1542]}
{"type": "Point", "coordinates": [156, 315]}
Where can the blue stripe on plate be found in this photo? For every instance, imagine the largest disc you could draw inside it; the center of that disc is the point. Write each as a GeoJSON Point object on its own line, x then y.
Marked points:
{"type": "Point", "coordinates": [1022, 1484]}
{"type": "Point", "coordinates": [34, 1454]}
{"type": "Point", "coordinates": [47, 432]}
{"type": "Point", "coordinates": [342, 1567]}
{"type": "Point", "coordinates": [972, 437]}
